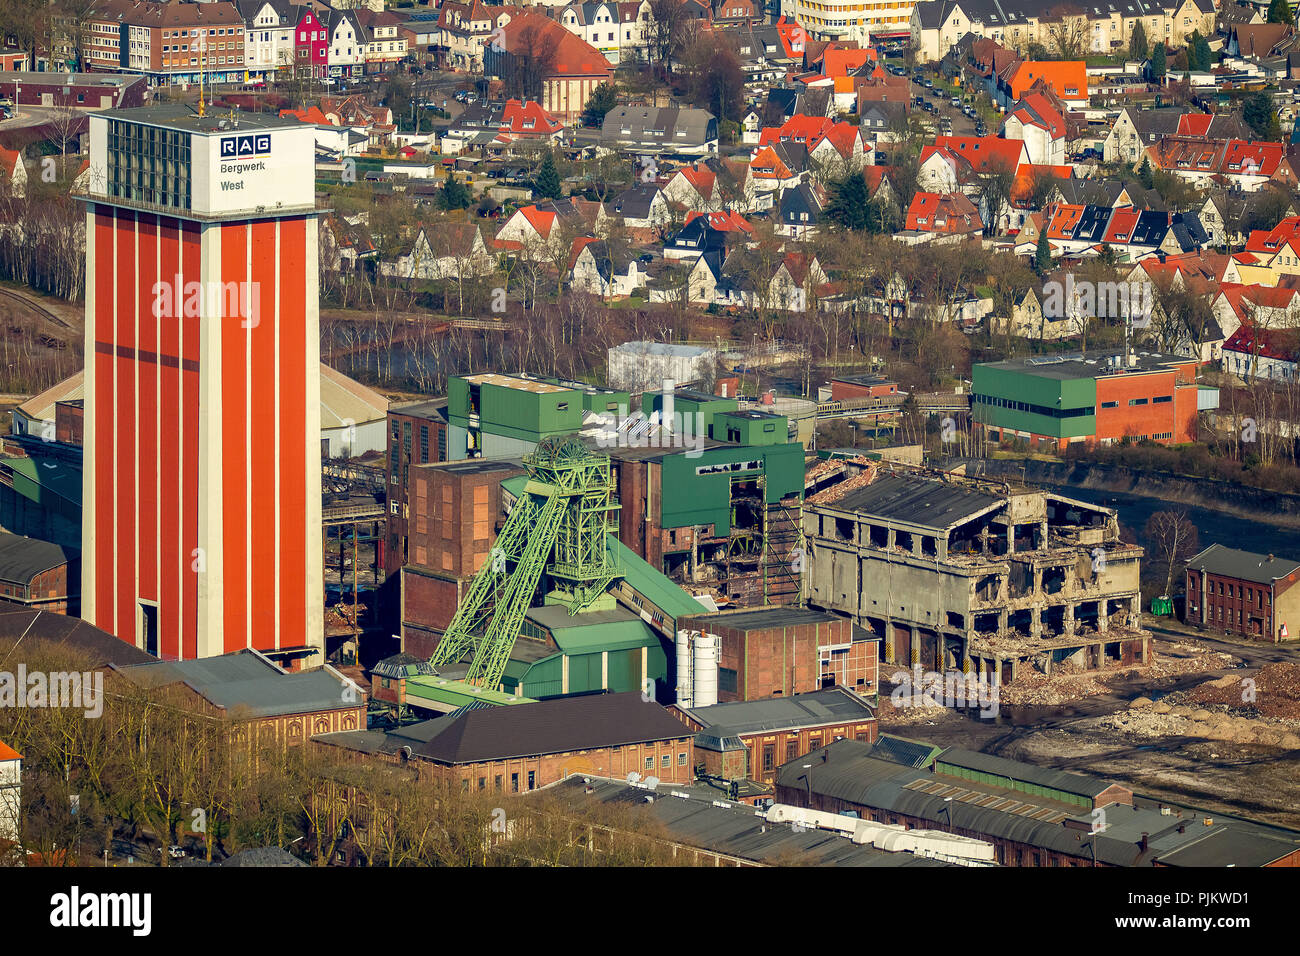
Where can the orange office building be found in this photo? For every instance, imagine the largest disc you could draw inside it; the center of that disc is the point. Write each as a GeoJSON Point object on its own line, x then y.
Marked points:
{"type": "Point", "coordinates": [1095, 398]}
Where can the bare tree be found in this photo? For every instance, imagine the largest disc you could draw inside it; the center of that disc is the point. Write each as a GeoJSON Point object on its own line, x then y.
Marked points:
{"type": "Point", "coordinates": [1173, 540]}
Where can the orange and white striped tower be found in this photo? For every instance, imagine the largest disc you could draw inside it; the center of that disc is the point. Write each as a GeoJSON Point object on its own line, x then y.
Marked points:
{"type": "Point", "coordinates": [201, 526]}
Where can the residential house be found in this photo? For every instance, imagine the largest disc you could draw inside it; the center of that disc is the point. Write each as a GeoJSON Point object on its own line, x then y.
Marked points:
{"type": "Point", "coordinates": [695, 187]}
{"type": "Point", "coordinates": [1037, 122]}
{"type": "Point", "coordinates": [466, 28]}
{"type": "Point", "coordinates": [452, 249]}
{"type": "Point", "coordinates": [947, 216]}
{"type": "Point", "coordinates": [543, 225]}
{"type": "Point", "coordinates": [604, 270]}
{"type": "Point", "coordinates": [798, 209]}
{"type": "Point", "coordinates": [643, 209]}
{"type": "Point", "coordinates": [660, 131]}
{"type": "Point", "coordinates": [1104, 26]}
{"type": "Point", "coordinates": [1256, 353]}
{"type": "Point", "coordinates": [13, 173]}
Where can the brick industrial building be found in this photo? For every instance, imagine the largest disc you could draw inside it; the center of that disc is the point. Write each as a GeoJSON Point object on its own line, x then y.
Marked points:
{"type": "Point", "coordinates": [533, 745]}
{"type": "Point", "coordinates": [975, 576]}
{"type": "Point", "coordinates": [1097, 398]}
{"type": "Point", "coordinates": [783, 651]}
{"type": "Point", "coordinates": [752, 739]}
{"type": "Point", "coordinates": [417, 435]}
{"type": "Point", "coordinates": [453, 514]}
{"type": "Point", "coordinates": [39, 575]}
{"type": "Point", "coordinates": [1244, 593]}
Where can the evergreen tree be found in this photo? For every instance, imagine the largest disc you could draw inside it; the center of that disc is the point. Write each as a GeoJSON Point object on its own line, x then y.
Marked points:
{"type": "Point", "coordinates": [1137, 43]}
{"type": "Point", "coordinates": [1206, 55]}
{"type": "Point", "coordinates": [850, 203]}
{"type": "Point", "coordinates": [547, 184]}
{"type": "Point", "coordinates": [1279, 11]}
{"type": "Point", "coordinates": [603, 99]}
{"type": "Point", "coordinates": [1158, 61]}
{"type": "Point", "coordinates": [1146, 176]}
{"type": "Point", "coordinates": [1257, 113]}
{"type": "Point", "coordinates": [1043, 254]}
{"type": "Point", "coordinates": [455, 194]}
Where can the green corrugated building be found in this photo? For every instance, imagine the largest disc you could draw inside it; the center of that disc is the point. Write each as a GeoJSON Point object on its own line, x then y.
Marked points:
{"type": "Point", "coordinates": [558, 653]}
{"type": "Point", "coordinates": [505, 416]}
{"type": "Point", "coordinates": [1056, 400]}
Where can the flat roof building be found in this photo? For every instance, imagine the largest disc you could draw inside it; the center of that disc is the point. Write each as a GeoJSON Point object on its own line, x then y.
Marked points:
{"type": "Point", "coordinates": [1093, 398]}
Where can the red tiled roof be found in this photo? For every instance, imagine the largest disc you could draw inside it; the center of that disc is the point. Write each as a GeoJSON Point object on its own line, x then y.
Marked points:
{"type": "Point", "coordinates": [722, 221]}
{"type": "Point", "coordinates": [946, 213]}
{"type": "Point", "coordinates": [1120, 228]}
{"type": "Point", "coordinates": [570, 57]}
{"type": "Point", "coordinates": [982, 152]}
{"type": "Point", "coordinates": [1066, 78]}
{"type": "Point", "coordinates": [701, 178]}
{"type": "Point", "coordinates": [1280, 344]}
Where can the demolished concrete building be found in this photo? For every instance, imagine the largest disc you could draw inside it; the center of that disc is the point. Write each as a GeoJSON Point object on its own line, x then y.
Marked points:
{"type": "Point", "coordinates": [958, 573]}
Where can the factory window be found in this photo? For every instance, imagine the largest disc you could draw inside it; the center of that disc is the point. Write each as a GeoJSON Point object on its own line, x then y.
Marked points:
{"type": "Point", "coordinates": [769, 757]}
{"type": "Point", "coordinates": [496, 783]}
{"type": "Point", "coordinates": [482, 783]}
{"type": "Point", "coordinates": [562, 406]}
{"type": "Point", "coordinates": [464, 785]}
{"type": "Point", "coordinates": [681, 759]}
{"type": "Point", "coordinates": [664, 761]}
{"type": "Point", "coordinates": [424, 443]}
{"type": "Point", "coordinates": [814, 742]}
{"type": "Point", "coordinates": [727, 679]}
{"type": "Point", "coordinates": [1136, 401]}
{"type": "Point", "coordinates": [514, 783]}
{"type": "Point", "coordinates": [1161, 399]}
{"type": "Point", "coordinates": [791, 750]}
{"type": "Point", "coordinates": [532, 780]}
{"type": "Point", "coordinates": [1110, 404]}
{"type": "Point", "coordinates": [649, 763]}
{"type": "Point", "coordinates": [384, 682]}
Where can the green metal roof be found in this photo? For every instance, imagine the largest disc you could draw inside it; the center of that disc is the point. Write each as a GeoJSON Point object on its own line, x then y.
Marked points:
{"type": "Point", "coordinates": [457, 692]}
{"type": "Point", "coordinates": [515, 485]}
{"type": "Point", "coordinates": [651, 584]}
{"type": "Point", "coordinates": [60, 477]}
{"type": "Point", "coordinates": [605, 637]}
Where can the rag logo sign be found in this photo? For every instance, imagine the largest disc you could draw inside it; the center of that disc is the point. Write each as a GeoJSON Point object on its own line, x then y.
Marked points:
{"type": "Point", "coordinates": [252, 144]}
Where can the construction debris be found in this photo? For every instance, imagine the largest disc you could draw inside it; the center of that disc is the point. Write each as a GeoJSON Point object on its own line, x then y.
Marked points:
{"type": "Point", "coordinates": [839, 490]}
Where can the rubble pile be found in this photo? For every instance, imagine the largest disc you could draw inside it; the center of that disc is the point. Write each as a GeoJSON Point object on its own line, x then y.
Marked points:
{"type": "Point", "coordinates": [1272, 691]}
{"type": "Point", "coordinates": [1149, 719]}
{"type": "Point", "coordinates": [839, 490]}
{"type": "Point", "coordinates": [1033, 688]}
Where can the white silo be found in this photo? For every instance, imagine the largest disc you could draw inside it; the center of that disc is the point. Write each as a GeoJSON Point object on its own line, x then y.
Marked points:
{"type": "Point", "coordinates": [705, 678]}
{"type": "Point", "coordinates": [684, 647]}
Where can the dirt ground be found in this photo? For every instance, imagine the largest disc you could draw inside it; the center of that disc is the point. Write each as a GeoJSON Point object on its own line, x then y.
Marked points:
{"type": "Point", "coordinates": [1194, 729]}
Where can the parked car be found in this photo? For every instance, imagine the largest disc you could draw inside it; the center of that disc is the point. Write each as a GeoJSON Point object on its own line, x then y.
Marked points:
{"type": "Point", "coordinates": [956, 101]}
{"type": "Point", "coordinates": [929, 84]}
